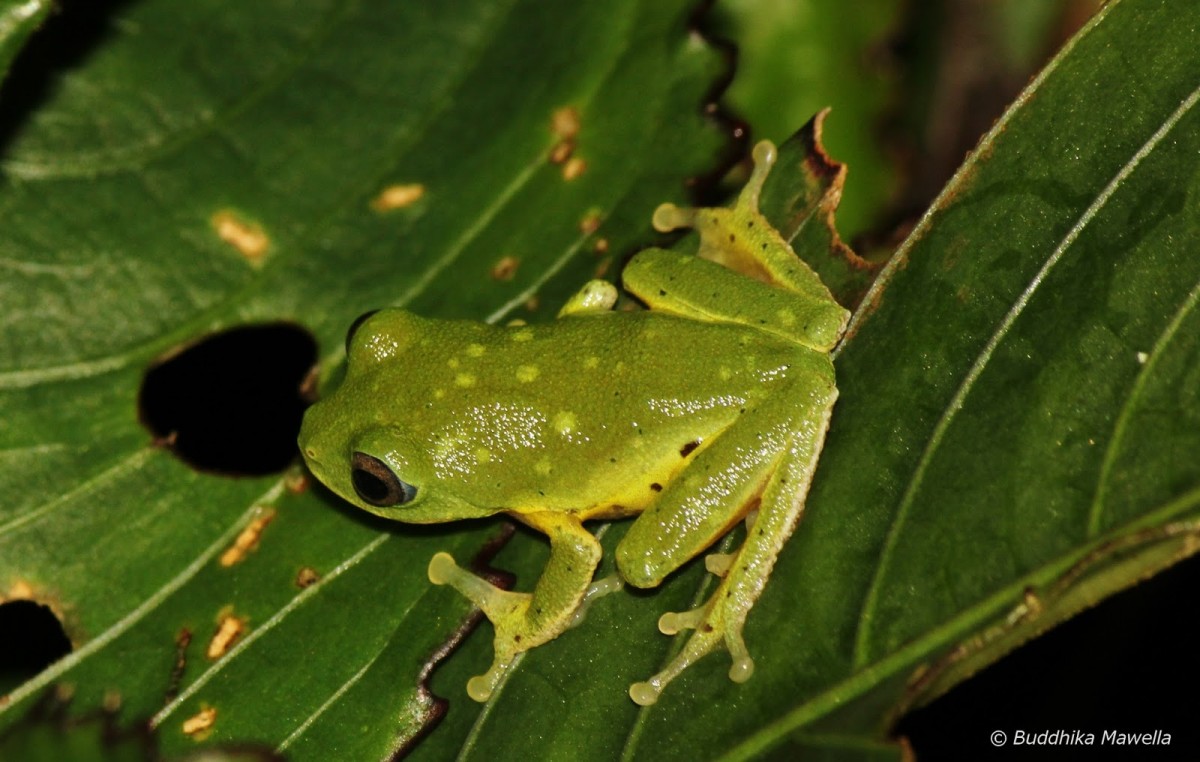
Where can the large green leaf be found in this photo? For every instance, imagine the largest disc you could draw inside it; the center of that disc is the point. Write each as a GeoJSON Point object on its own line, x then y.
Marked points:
{"type": "Point", "coordinates": [1016, 390]}
{"type": "Point", "coordinates": [177, 169]}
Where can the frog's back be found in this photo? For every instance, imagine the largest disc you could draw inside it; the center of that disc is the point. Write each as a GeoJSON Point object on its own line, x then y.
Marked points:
{"type": "Point", "coordinates": [582, 406]}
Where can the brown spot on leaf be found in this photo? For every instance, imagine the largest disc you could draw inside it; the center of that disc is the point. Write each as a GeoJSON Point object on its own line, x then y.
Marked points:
{"type": "Point", "coordinates": [247, 539]}
{"type": "Point", "coordinates": [561, 151]}
{"type": "Point", "coordinates": [574, 168]}
{"type": "Point", "coordinates": [565, 122]}
{"type": "Point", "coordinates": [229, 629]}
{"type": "Point", "coordinates": [505, 268]}
{"type": "Point", "coordinates": [296, 482]}
{"type": "Point", "coordinates": [247, 237]}
{"type": "Point", "coordinates": [306, 576]}
{"type": "Point", "coordinates": [590, 222]}
{"type": "Point", "coordinates": [198, 725]}
{"type": "Point", "coordinates": [397, 197]}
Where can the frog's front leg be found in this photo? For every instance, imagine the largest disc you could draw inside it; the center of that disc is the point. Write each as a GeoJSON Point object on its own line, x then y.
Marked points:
{"type": "Point", "coordinates": [595, 296]}
{"type": "Point", "coordinates": [765, 460]}
{"type": "Point", "coordinates": [523, 620]}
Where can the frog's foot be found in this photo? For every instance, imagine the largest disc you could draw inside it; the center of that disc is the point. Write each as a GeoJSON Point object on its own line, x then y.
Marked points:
{"type": "Point", "coordinates": [668, 217]}
{"type": "Point", "coordinates": [505, 609]}
{"type": "Point", "coordinates": [597, 589]}
{"type": "Point", "coordinates": [713, 627]}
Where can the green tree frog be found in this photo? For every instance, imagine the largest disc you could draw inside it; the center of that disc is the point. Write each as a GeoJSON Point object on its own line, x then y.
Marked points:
{"type": "Point", "coordinates": [707, 409]}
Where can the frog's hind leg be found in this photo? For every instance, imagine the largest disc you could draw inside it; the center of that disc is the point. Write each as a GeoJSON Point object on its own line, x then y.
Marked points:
{"type": "Point", "coordinates": [720, 620]}
{"type": "Point", "coordinates": [524, 620]}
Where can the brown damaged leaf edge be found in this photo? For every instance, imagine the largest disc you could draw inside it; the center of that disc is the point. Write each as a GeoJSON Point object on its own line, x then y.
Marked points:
{"type": "Point", "coordinates": [802, 203]}
{"type": "Point", "coordinates": [1061, 599]}
{"type": "Point", "coordinates": [821, 164]}
{"type": "Point", "coordinates": [436, 706]}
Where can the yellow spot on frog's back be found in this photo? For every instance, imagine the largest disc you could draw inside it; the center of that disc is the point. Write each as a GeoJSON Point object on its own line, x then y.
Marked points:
{"type": "Point", "coordinates": [475, 350]}
{"type": "Point", "coordinates": [542, 467]}
{"type": "Point", "coordinates": [453, 362]}
{"type": "Point", "coordinates": [527, 373]}
{"type": "Point", "coordinates": [724, 373]}
{"type": "Point", "coordinates": [439, 394]}
{"type": "Point", "coordinates": [524, 334]}
{"type": "Point", "coordinates": [483, 455]}
{"type": "Point", "coordinates": [564, 422]}
{"type": "Point", "coordinates": [229, 629]}
{"type": "Point", "coordinates": [591, 362]}
{"type": "Point", "coordinates": [505, 268]}
{"type": "Point", "coordinates": [574, 168]}
{"type": "Point", "coordinates": [397, 197]}
{"type": "Point", "coordinates": [247, 237]}
{"type": "Point", "coordinates": [464, 380]}
{"type": "Point", "coordinates": [786, 317]}
{"type": "Point", "coordinates": [247, 540]}
{"type": "Point", "coordinates": [200, 722]}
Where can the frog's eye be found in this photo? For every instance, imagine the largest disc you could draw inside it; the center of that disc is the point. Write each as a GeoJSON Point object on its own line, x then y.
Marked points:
{"type": "Point", "coordinates": [354, 326]}
{"type": "Point", "coordinates": [375, 483]}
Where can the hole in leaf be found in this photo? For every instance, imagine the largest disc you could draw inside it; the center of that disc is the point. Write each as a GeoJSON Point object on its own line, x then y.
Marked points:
{"type": "Point", "coordinates": [31, 639]}
{"type": "Point", "coordinates": [233, 402]}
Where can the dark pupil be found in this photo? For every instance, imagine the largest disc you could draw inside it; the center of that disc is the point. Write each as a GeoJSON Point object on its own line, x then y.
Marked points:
{"type": "Point", "coordinates": [375, 483]}
{"type": "Point", "coordinates": [369, 486]}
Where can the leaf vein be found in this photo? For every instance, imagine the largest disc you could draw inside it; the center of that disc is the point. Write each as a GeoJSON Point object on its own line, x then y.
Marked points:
{"type": "Point", "coordinates": [985, 356]}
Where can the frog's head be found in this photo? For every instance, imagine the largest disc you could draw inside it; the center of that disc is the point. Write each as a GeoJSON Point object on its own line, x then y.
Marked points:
{"type": "Point", "coordinates": [351, 440]}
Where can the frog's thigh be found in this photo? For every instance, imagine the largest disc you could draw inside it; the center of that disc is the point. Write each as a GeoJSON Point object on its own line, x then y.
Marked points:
{"type": "Point", "coordinates": [717, 489]}
{"type": "Point", "coordinates": [682, 284]}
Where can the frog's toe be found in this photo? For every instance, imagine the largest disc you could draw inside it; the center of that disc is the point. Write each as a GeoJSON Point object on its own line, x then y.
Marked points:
{"type": "Point", "coordinates": [481, 687]}
{"type": "Point", "coordinates": [442, 569]}
{"type": "Point", "coordinates": [646, 693]}
{"type": "Point", "coordinates": [668, 217]}
{"type": "Point", "coordinates": [743, 666]}
{"type": "Point", "coordinates": [719, 563]}
{"type": "Point", "coordinates": [494, 602]}
{"type": "Point", "coordinates": [674, 622]}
